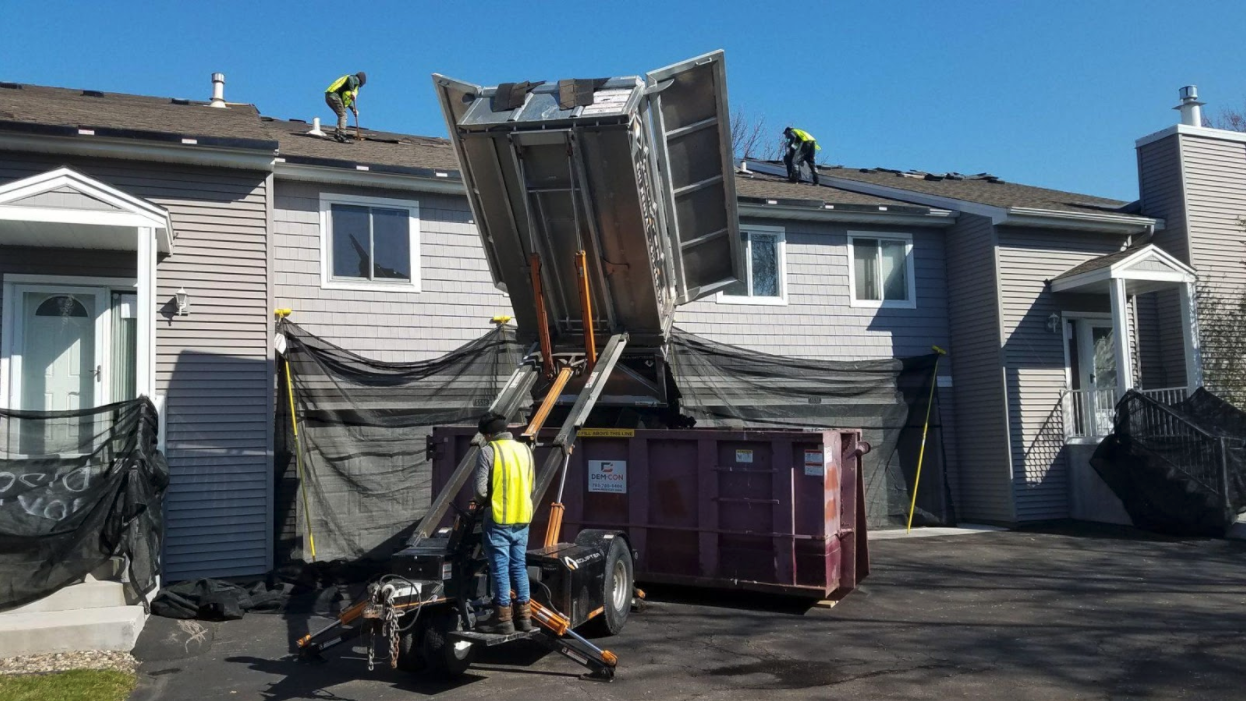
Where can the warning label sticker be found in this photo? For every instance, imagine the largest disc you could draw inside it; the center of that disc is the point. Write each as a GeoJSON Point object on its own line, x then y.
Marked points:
{"type": "Point", "coordinates": [744, 455]}
{"type": "Point", "coordinates": [814, 467]}
{"type": "Point", "coordinates": [607, 432]}
{"type": "Point", "coordinates": [609, 476]}
{"type": "Point", "coordinates": [608, 102]}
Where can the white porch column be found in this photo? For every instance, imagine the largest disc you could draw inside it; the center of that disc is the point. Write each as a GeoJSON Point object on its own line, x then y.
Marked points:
{"type": "Point", "coordinates": [145, 360]}
{"type": "Point", "coordinates": [1189, 334]}
{"type": "Point", "coordinates": [1120, 337]}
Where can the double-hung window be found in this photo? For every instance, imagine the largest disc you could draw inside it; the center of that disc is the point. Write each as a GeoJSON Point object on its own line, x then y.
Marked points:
{"type": "Point", "coordinates": [765, 280]}
{"type": "Point", "coordinates": [369, 243]}
{"type": "Point", "coordinates": [880, 270]}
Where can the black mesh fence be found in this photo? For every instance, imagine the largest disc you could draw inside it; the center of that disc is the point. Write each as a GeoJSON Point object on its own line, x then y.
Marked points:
{"type": "Point", "coordinates": [76, 489]}
{"type": "Point", "coordinates": [726, 386]}
{"type": "Point", "coordinates": [1179, 468]}
{"type": "Point", "coordinates": [364, 425]}
{"type": "Point", "coordinates": [363, 429]}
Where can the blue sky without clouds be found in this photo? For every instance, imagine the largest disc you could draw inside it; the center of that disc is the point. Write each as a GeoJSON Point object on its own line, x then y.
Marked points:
{"type": "Point", "coordinates": [1049, 93]}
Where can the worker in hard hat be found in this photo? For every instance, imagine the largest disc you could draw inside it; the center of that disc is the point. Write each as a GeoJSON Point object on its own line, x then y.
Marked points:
{"type": "Point", "coordinates": [342, 95]}
{"type": "Point", "coordinates": [505, 475]}
{"type": "Point", "coordinates": [801, 149]}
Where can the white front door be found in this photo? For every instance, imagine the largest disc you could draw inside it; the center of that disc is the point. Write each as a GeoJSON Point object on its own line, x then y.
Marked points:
{"type": "Point", "coordinates": [1097, 364]}
{"type": "Point", "coordinates": [60, 348]}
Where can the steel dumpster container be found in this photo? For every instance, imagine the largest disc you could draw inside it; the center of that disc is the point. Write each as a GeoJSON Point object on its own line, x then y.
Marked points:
{"type": "Point", "coordinates": [779, 511]}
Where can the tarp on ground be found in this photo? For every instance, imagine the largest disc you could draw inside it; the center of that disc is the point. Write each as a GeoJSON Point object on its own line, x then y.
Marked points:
{"type": "Point", "coordinates": [76, 489]}
{"type": "Point", "coordinates": [720, 385]}
{"type": "Point", "coordinates": [1178, 469]}
{"type": "Point", "coordinates": [363, 429]}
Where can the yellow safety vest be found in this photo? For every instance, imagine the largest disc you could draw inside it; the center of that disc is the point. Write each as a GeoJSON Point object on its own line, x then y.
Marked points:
{"type": "Point", "coordinates": [806, 136]}
{"type": "Point", "coordinates": [349, 97]}
{"type": "Point", "coordinates": [511, 484]}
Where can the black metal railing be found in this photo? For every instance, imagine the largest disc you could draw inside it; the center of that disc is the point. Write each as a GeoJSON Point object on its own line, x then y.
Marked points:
{"type": "Point", "coordinates": [1199, 455]}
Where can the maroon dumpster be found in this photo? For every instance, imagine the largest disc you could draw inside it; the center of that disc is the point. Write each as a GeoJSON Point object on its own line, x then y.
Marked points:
{"type": "Point", "coordinates": [780, 511]}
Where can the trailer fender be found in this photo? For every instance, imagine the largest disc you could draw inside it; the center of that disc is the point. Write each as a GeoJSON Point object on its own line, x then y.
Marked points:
{"type": "Point", "coordinates": [600, 539]}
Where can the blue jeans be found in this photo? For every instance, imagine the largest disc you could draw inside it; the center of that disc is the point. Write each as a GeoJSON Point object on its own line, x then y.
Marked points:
{"type": "Point", "coordinates": [507, 547]}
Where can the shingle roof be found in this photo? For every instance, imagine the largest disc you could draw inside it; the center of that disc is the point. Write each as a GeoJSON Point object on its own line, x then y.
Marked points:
{"type": "Point", "coordinates": [982, 189]}
{"type": "Point", "coordinates": [765, 186]}
{"type": "Point", "coordinates": [35, 108]}
{"type": "Point", "coordinates": [1106, 261]}
{"type": "Point", "coordinates": [400, 151]}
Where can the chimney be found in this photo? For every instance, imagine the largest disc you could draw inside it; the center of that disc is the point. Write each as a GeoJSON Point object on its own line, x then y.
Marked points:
{"type": "Point", "coordinates": [1190, 108]}
{"type": "Point", "coordinates": [218, 91]}
{"type": "Point", "coordinates": [315, 130]}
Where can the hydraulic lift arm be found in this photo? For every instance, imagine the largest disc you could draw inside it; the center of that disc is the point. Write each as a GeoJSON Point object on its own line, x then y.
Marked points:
{"type": "Point", "coordinates": [507, 403]}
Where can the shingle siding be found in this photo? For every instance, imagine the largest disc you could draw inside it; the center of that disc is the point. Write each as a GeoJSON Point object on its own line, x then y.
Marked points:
{"type": "Point", "coordinates": [975, 355]}
{"type": "Point", "coordinates": [1034, 357]}
{"type": "Point", "coordinates": [213, 365]}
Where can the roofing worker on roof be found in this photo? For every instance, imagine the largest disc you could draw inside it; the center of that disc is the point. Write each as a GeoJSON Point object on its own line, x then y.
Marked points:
{"type": "Point", "coordinates": [342, 95]}
{"type": "Point", "coordinates": [505, 476]}
{"type": "Point", "coordinates": [801, 148]}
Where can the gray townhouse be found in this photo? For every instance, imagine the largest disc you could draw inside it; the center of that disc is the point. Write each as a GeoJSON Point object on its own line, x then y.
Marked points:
{"type": "Point", "coordinates": [168, 230]}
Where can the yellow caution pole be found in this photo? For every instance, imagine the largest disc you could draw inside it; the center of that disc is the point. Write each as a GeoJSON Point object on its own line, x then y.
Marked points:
{"type": "Point", "coordinates": [298, 447]}
{"type": "Point", "coordinates": [934, 381]}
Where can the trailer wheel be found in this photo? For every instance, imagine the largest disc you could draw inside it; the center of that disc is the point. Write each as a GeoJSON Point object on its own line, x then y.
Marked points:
{"type": "Point", "coordinates": [446, 657]}
{"type": "Point", "coordinates": [410, 658]}
{"type": "Point", "coordinates": [617, 587]}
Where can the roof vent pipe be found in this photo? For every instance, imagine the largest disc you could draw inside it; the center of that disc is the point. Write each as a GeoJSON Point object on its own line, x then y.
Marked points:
{"type": "Point", "coordinates": [218, 91]}
{"type": "Point", "coordinates": [1191, 109]}
{"type": "Point", "coordinates": [315, 130]}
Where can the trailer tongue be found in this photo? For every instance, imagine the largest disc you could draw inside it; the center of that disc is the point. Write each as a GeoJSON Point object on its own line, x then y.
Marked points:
{"type": "Point", "coordinates": [602, 205]}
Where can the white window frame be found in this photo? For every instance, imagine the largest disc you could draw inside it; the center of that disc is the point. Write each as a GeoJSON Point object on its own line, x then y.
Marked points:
{"type": "Point", "coordinates": [328, 282]}
{"type": "Point", "coordinates": [781, 236]}
{"type": "Point", "coordinates": [910, 278]}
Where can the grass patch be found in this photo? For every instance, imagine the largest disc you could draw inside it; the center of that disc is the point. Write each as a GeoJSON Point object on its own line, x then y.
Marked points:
{"type": "Point", "coordinates": [77, 685]}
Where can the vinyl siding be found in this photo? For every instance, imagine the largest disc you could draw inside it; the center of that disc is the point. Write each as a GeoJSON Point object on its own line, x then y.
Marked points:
{"type": "Point", "coordinates": [1034, 358]}
{"type": "Point", "coordinates": [1153, 373]}
{"type": "Point", "coordinates": [212, 365]}
{"type": "Point", "coordinates": [1215, 176]}
{"type": "Point", "coordinates": [975, 355]}
{"type": "Point", "coordinates": [819, 320]}
{"type": "Point", "coordinates": [1162, 194]}
{"type": "Point", "coordinates": [457, 296]}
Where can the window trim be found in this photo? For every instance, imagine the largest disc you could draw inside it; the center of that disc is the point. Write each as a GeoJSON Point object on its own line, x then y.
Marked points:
{"type": "Point", "coordinates": [328, 282]}
{"type": "Point", "coordinates": [910, 277]}
{"type": "Point", "coordinates": [781, 235]}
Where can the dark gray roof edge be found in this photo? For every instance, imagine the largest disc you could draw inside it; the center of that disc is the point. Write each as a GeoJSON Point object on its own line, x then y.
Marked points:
{"type": "Point", "coordinates": [821, 204]}
{"type": "Point", "coordinates": [140, 134]}
{"type": "Point", "coordinates": [430, 173]}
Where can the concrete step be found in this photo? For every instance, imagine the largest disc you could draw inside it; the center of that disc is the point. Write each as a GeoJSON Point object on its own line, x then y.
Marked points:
{"type": "Point", "coordinates": [35, 633]}
{"type": "Point", "coordinates": [91, 594]}
{"type": "Point", "coordinates": [1238, 530]}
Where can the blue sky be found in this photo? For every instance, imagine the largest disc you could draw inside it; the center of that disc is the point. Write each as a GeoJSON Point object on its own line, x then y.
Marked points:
{"type": "Point", "coordinates": [1048, 93]}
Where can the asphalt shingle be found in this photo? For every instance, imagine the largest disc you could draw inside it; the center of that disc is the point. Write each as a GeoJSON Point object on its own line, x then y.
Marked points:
{"type": "Point", "coordinates": [981, 189]}
{"type": "Point", "coordinates": [764, 186]}
{"type": "Point", "coordinates": [377, 148]}
{"type": "Point", "coordinates": [32, 106]}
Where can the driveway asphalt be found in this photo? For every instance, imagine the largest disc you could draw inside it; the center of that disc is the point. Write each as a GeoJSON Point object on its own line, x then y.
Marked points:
{"type": "Point", "coordinates": [1066, 613]}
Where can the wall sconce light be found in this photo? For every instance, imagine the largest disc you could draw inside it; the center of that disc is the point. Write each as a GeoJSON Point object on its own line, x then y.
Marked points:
{"type": "Point", "coordinates": [1053, 323]}
{"type": "Point", "coordinates": [183, 301]}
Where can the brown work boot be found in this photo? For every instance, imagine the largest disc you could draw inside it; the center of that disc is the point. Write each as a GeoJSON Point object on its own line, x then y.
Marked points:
{"type": "Point", "coordinates": [523, 617]}
{"type": "Point", "coordinates": [502, 624]}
